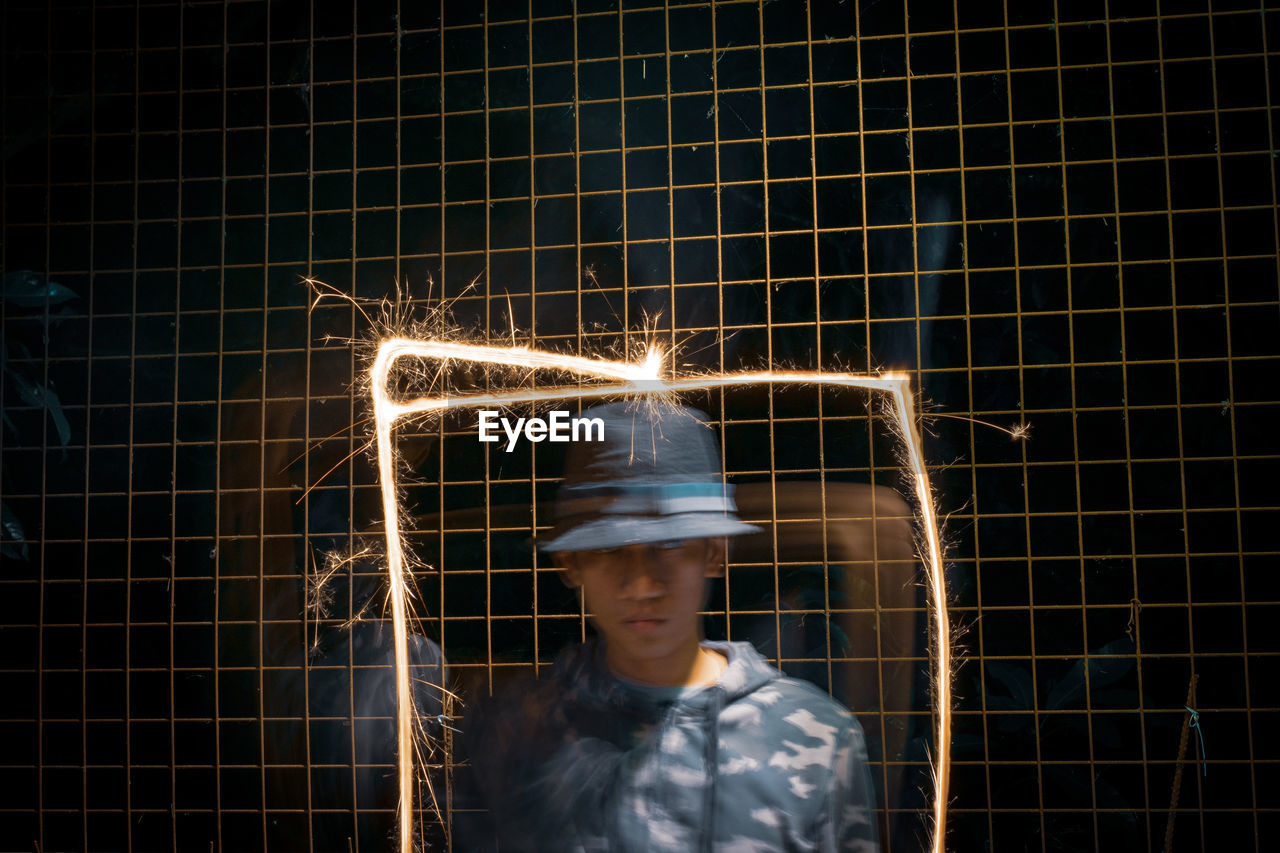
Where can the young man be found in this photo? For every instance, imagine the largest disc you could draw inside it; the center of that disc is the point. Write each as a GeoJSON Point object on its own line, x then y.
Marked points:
{"type": "Point", "coordinates": [648, 738]}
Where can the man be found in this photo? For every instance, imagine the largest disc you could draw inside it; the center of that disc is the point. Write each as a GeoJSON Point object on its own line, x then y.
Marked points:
{"type": "Point", "coordinates": [648, 738]}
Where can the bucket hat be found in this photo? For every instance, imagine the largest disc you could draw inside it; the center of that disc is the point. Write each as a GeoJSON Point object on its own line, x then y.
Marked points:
{"type": "Point", "coordinates": [654, 476]}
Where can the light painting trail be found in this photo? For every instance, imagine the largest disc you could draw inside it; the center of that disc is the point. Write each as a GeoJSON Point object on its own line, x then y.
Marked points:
{"type": "Point", "coordinates": [632, 379]}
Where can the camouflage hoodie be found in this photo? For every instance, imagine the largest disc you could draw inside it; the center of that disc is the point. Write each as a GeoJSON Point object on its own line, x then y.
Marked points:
{"type": "Point", "coordinates": [757, 762]}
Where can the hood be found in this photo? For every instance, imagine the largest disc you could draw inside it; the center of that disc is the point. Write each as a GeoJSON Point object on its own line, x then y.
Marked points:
{"type": "Point", "coordinates": [584, 676]}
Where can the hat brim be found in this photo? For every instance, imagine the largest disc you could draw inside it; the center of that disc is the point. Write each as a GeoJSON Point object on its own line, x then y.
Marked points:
{"type": "Point", "coordinates": [622, 530]}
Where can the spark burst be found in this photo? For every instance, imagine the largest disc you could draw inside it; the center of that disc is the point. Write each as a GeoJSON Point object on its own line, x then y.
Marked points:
{"type": "Point", "coordinates": [636, 379]}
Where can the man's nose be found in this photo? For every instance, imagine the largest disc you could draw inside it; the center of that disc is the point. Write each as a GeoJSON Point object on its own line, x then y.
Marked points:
{"type": "Point", "coordinates": [641, 580]}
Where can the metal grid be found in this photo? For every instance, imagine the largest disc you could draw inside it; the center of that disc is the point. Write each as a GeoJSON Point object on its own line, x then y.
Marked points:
{"type": "Point", "coordinates": [1057, 213]}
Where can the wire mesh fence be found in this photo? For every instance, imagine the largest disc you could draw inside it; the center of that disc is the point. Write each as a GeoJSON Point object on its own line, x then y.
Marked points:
{"type": "Point", "coordinates": [1060, 218]}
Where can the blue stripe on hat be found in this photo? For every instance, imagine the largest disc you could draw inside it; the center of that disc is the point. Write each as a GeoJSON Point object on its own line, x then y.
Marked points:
{"type": "Point", "coordinates": [644, 498]}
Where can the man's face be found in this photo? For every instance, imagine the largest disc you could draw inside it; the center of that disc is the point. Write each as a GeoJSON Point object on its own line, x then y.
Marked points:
{"type": "Point", "coordinates": [644, 599]}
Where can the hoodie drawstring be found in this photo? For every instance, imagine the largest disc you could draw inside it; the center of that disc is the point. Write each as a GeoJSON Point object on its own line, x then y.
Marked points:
{"type": "Point", "coordinates": [713, 768]}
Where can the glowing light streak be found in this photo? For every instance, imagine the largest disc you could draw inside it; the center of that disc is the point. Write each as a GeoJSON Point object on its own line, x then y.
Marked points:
{"type": "Point", "coordinates": [1017, 432]}
{"type": "Point", "coordinates": [633, 379]}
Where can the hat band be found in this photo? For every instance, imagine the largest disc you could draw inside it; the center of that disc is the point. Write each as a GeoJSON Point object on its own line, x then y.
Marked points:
{"type": "Point", "coordinates": [646, 499]}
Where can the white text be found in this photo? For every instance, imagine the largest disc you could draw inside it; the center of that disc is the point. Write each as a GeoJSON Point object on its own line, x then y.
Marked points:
{"type": "Point", "coordinates": [559, 426]}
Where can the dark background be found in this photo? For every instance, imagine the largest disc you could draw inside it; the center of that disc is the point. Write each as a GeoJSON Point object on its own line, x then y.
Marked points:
{"type": "Point", "coordinates": [1062, 214]}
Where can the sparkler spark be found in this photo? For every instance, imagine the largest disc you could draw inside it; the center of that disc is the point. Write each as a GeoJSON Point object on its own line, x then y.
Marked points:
{"type": "Point", "coordinates": [1018, 432]}
{"type": "Point", "coordinates": [319, 592]}
{"type": "Point", "coordinates": [630, 379]}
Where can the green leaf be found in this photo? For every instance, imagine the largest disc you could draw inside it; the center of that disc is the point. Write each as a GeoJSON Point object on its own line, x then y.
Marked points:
{"type": "Point", "coordinates": [29, 290]}
{"type": "Point", "coordinates": [1103, 671]}
{"type": "Point", "coordinates": [840, 639]}
{"type": "Point", "coordinates": [1016, 680]}
{"type": "Point", "coordinates": [13, 533]}
{"type": "Point", "coordinates": [35, 394]}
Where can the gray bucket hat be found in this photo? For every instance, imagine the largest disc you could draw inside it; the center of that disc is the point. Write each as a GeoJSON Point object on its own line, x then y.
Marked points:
{"type": "Point", "coordinates": [654, 476]}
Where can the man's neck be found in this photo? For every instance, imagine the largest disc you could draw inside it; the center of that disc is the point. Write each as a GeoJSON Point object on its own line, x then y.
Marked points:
{"type": "Point", "coordinates": [691, 667]}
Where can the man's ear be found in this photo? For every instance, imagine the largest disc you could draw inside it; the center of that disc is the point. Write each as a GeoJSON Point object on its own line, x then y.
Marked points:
{"type": "Point", "coordinates": [717, 551]}
{"type": "Point", "coordinates": [570, 574]}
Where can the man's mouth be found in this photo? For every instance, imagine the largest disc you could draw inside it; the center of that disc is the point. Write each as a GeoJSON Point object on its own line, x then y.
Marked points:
{"type": "Point", "coordinates": [644, 623]}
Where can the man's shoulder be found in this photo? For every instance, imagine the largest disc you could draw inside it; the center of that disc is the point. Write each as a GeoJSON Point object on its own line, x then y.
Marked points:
{"type": "Point", "coordinates": [800, 703]}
